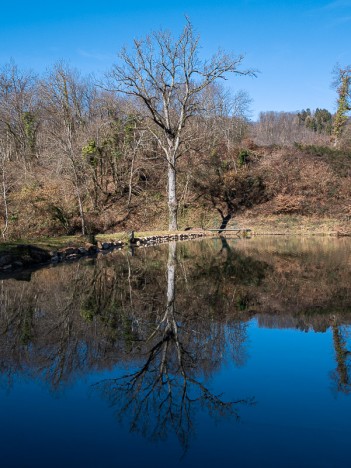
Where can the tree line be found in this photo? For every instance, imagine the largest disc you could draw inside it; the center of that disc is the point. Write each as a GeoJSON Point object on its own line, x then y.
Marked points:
{"type": "Point", "coordinates": [84, 156]}
{"type": "Point", "coordinates": [70, 142]}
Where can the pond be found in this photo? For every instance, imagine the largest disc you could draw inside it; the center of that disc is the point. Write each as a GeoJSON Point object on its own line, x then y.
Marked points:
{"type": "Point", "coordinates": [215, 352]}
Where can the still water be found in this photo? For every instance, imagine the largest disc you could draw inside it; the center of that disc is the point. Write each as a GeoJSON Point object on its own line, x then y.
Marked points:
{"type": "Point", "coordinates": [217, 352]}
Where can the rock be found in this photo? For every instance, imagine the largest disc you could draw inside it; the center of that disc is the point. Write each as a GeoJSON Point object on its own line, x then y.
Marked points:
{"type": "Point", "coordinates": [72, 257]}
{"type": "Point", "coordinates": [91, 248]}
{"type": "Point", "coordinates": [134, 241]}
{"type": "Point", "coordinates": [68, 251]}
{"type": "Point", "coordinates": [82, 251]}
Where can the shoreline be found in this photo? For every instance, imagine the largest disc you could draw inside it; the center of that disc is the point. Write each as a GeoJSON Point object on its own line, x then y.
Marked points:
{"type": "Point", "coordinates": [298, 225]}
{"type": "Point", "coordinates": [15, 258]}
{"type": "Point", "coordinates": [32, 254]}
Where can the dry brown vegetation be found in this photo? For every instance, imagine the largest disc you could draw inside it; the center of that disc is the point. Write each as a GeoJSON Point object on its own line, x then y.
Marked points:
{"type": "Point", "coordinates": [77, 159]}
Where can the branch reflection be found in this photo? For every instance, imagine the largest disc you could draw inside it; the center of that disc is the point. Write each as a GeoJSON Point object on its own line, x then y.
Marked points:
{"type": "Point", "coordinates": [163, 395]}
{"type": "Point", "coordinates": [172, 315]}
{"type": "Point", "coordinates": [342, 374]}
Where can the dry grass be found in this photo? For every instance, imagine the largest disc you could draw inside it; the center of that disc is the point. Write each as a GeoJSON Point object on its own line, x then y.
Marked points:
{"type": "Point", "coordinates": [308, 192]}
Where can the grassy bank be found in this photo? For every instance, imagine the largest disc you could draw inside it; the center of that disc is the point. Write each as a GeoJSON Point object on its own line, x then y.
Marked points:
{"type": "Point", "coordinates": [268, 225]}
{"type": "Point", "coordinates": [51, 244]}
{"type": "Point", "coordinates": [295, 225]}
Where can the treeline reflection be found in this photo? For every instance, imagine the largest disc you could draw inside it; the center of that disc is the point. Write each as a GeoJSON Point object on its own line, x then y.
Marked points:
{"type": "Point", "coordinates": [172, 313]}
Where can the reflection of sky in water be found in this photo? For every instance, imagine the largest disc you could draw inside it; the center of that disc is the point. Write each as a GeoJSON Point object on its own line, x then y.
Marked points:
{"type": "Point", "coordinates": [296, 417]}
{"type": "Point", "coordinates": [298, 379]}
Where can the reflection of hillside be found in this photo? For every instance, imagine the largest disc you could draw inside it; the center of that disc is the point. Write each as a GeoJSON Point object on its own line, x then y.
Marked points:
{"type": "Point", "coordinates": [306, 278]}
{"type": "Point", "coordinates": [298, 283]}
{"type": "Point", "coordinates": [91, 314]}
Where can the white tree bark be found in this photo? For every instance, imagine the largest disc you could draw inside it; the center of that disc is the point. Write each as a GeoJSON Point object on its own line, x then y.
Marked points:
{"type": "Point", "coordinates": [167, 77]}
{"type": "Point", "coordinates": [172, 198]}
{"type": "Point", "coordinates": [4, 195]}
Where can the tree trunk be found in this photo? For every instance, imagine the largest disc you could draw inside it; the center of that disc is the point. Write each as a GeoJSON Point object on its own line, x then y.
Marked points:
{"type": "Point", "coordinates": [81, 211]}
{"type": "Point", "coordinates": [79, 198]}
{"type": "Point", "coordinates": [225, 221]}
{"type": "Point", "coordinates": [4, 194]}
{"type": "Point", "coordinates": [131, 181]}
{"type": "Point", "coordinates": [172, 197]}
{"type": "Point", "coordinates": [171, 273]}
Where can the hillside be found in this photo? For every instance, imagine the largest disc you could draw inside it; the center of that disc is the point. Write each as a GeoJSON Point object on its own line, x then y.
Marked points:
{"type": "Point", "coordinates": [309, 191]}
{"type": "Point", "coordinates": [300, 189]}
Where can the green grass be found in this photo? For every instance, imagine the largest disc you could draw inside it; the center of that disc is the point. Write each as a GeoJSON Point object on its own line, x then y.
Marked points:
{"type": "Point", "coordinates": [56, 243]}
{"type": "Point", "coordinates": [46, 243]}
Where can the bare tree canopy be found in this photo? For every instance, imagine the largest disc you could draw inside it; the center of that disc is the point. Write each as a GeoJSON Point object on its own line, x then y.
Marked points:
{"type": "Point", "coordinates": [167, 76]}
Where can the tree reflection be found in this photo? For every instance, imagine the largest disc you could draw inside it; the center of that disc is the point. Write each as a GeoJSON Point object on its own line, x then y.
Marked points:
{"type": "Point", "coordinates": [342, 374]}
{"type": "Point", "coordinates": [176, 312]}
{"type": "Point", "coordinates": [163, 395]}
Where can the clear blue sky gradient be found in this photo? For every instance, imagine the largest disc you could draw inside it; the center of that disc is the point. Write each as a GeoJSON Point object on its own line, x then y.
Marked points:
{"type": "Point", "coordinates": [294, 44]}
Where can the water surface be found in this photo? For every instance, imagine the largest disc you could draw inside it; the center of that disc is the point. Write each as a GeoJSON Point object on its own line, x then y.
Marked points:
{"type": "Point", "coordinates": [231, 352]}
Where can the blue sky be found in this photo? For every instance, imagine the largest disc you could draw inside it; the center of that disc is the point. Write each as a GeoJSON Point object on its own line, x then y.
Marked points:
{"type": "Point", "coordinates": [294, 44]}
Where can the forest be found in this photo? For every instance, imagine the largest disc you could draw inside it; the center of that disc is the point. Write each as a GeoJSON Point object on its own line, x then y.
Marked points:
{"type": "Point", "coordinates": [160, 143]}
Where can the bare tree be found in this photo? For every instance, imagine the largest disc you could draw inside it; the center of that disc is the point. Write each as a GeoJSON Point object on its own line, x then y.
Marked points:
{"type": "Point", "coordinates": [167, 76]}
{"type": "Point", "coordinates": [226, 118]}
{"type": "Point", "coordinates": [19, 119]}
{"type": "Point", "coordinates": [4, 158]}
{"type": "Point", "coordinates": [286, 129]}
{"type": "Point", "coordinates": [66, 99]}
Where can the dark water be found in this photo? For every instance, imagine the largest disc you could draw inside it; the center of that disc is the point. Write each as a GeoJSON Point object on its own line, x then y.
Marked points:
{"type": "Point", "coordinates": [209, 353]}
